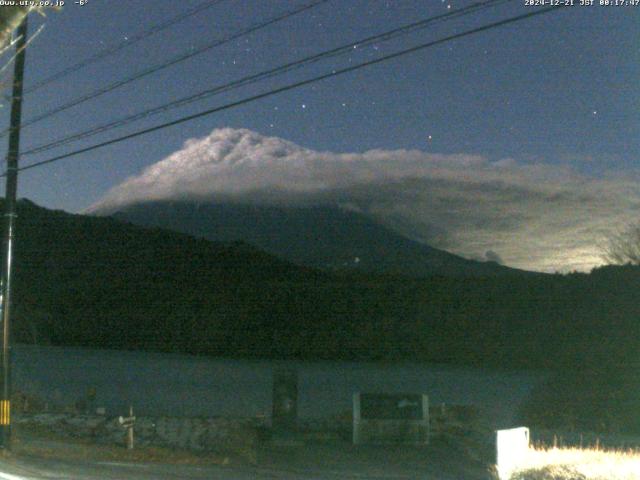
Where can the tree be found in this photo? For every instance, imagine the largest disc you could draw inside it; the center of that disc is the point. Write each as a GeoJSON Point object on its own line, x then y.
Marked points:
{"type": "Point", "coordinates": [10, 18]}
{"type": "Point", "coordinates": [623, 248]}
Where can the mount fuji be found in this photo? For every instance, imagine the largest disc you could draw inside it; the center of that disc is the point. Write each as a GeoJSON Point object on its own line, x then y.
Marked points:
{"type": "Point", "coordinates": [329, 211]}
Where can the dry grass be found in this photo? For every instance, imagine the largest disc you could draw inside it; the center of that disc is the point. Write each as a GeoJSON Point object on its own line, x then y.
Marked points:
{"type": "Point", "coordinates": [579, 464]}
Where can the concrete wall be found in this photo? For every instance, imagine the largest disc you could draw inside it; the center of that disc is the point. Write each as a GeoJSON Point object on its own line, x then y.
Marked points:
{"type": "Point", "coordinates": [202, 433]}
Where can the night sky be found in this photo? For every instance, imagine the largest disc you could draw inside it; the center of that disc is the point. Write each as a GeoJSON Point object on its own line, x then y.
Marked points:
{"type": "Point", "coordinates": [555, 95]}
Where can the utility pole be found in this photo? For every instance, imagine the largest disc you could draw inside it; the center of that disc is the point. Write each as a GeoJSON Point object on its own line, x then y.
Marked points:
{"type": "Point", "coordinates": [9, 216]}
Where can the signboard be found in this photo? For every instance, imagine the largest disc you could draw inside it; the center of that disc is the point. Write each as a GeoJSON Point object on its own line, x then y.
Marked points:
{"type": "Point", "coordinates": [390, 418]}
{"type": "Point", "coordinates": [284, 414]}
{"type": "Point", "coordinates": [512, 446]}
{"type": "Point", "coordinates": [391, 406]}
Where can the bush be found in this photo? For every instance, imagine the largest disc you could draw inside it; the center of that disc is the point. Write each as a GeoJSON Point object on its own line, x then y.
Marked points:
{"type": "Point", "coordinates": [602, 400]}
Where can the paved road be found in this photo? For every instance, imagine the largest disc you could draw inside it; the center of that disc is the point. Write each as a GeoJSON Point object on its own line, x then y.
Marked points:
{"type": "Point", "coordinates": [40, 469]}
{"type": "Point", "coordinates": [45, 469]}
{"type": "Point", "coordinates": [304, 462]}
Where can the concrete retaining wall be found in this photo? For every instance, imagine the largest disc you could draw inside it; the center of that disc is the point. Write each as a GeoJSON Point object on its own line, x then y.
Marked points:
{"type": "Point", "coordinates": [205, 434]}
{"type": "Point", "coordinates": [228, 433]}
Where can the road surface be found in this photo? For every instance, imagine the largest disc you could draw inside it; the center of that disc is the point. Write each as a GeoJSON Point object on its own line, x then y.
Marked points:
{"type": "Point", "coordinates": [438, 464]}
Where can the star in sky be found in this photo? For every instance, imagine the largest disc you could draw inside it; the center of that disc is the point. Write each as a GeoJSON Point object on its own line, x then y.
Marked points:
{"type": "Point", "coordinates": [461, 81]}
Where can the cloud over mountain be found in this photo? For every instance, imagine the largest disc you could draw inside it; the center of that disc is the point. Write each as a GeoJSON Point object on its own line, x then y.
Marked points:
{"type": "Point", "coordinates": [534, 216]}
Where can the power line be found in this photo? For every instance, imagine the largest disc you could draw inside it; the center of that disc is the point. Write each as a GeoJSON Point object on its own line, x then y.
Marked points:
{"type": "Point", "coordinates": [292, 86]}
{"type": "Point", "coordinates": [156, 68]}
{"type": "Point", "coordinates": [386, 36]}
{"type": "Point", "coordinates": [121, 46]}
{"type": "Point", "coordinates": [14, 57]}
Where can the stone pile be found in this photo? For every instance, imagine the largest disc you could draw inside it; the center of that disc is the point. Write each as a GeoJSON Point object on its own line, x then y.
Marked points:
{"type": "Point", "coordinates": [200, 434]}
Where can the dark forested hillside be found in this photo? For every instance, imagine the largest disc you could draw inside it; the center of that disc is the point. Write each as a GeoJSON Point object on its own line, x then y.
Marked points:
{"type": "Point", "coordinates": [325, 237]}
{"type": "Point", "coordinates": [97, 282]}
